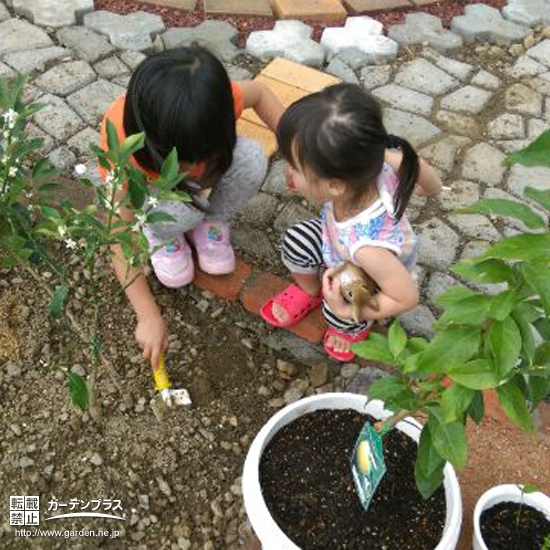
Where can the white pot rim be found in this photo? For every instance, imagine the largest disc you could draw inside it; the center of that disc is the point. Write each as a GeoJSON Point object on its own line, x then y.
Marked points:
{"type": "Point", "coordinates": [506, 493]}
{"type": "Point", "coordinates": [265, 526]}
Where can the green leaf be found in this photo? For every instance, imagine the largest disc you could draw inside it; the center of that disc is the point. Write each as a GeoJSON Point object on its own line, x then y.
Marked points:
{"type": "Point", "coordinates": [470, 311]}
{"type": "Point", "coordinates": [476, 410]}
{"type": "Point", "coordinates": [502, 304]}
{"type": "Point", "coordinates": [542, 354]}
{"type": "Point", "coordinates": [507, 208]}
{"type": "Point", "coordinates": [156, 217]}
{"type": "Point", "coordinates": [538, 388]}
{"type": "Point", "coordinates": [525, 246]}
{"type": "Point", "coordinates": [543, 327]}
{"type": "Point", "coordinates": [535, 154]}
{"type": "Point", "coordinates": [137, 193]}
{"type": "Point", "coordinates": [428, 468]}
{"type": "Point", "coordinates": [78, 390]}
{"type": "Point", "coordinates": [513, 402]}
{"type": "Point", "coordinates": [449, 349]}
{"type": "Point", "coordinates": [410, 365]}
{"type": "Point", "coordinates": [112, 138]}
{"type": "Point", "coordinates": [417, 344]}
{"type": "Point", "coordinates": [540, 197]}
{"type": "Point", "coordinates": [43, 170]}
{"type": "Point", "coordinates": [57, 303]}
{"type": "Point", "coordinates": [132, 144]}
{"type": "Point", "coordinates": [454, 294]}
{"type": "Point", "coordinates": [455, 400]}
{"type": "Point", "coordinates": [537, 275]}
{"type": "Point", "coordinates": [386, 388]}
{"type": "Point", "coordinates": [526, 331]}
{"type": "Point", "coordinates": [528, 488]}
{"type": "Point", "coordinates": [375, 348]}
{"type": "Point", "coordinates": [170, 167]}
{"type": "Point", "coordinates": [486, 272]}
{"type": "Point", "coordinates": [449, 438]}
{"type": "Point", "coordinates": [479, 374]}
{"type": "Point", "coordinates": [397, 339]}
{"type": "Point", "coordinates": [48, 187]}
{"type": "Point", "coordinates": [505, 344]}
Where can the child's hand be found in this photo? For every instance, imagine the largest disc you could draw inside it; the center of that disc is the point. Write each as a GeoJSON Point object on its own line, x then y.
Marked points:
{"type": "Point", "coordinates": [152, 337]}
{"type": "Point", "coordinates": [333, 296]}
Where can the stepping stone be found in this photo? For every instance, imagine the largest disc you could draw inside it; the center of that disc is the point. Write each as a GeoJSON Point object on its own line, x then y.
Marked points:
{"type": "Point", "coordinates": [111, 68]}
{"type": "Point", "coordinates": [288, 39]}
{"type": "Point", "coordinates": [438, 244]}
{"type": "Point", "coordinates": [406, 99]}
{"type": "Point", "coordinates": [506, 126]}
{"type": "Point", "coordinates": [418, 321]}
{"type": "Point", "coordinates": [239, 7]}
{"type": "Point", "coordinates": [375, 76]}
{"type": "Point", "coordinates": [134, 31]}
{"type": "Point", "coordinates": [423, 28]}
{"type": "Point", "coordinates": [132, 58]}
{"type": "Point", "coordinates": [462, 193]}
{"type": "Point", "coordinates": [528, 12]}
{"type": "Point", "coordinates": [483, 164]}
{"type": "Point", "coordinates": [217, 36]}
{"type": "Point", "coordinates": [486, 80]}
{"type": "Point", "coordinates": [289, 81]}
{"type": "Point", "coordinates": [261, 209]}
{"type": "Point", "coordinates": [525, 66]}
{"type": "Point", "coordinates": [423, 76]}
{"type": "Point", "coordinates": [475, 226]}
{"type": "Point", "coordinates": [521, 99]}
{"type": "Point", "coordinates": [58, 119]}
{"type": "Point", "coordinates": [92, 101]}
{"type": "Point", "coordinates": [438, 284]}
{"type": "Point", "coordinates": [53, 13]}
{"type": "Point", "coordinates": [468, 99]}
{"type": "Point", "coordinates": [415, 129]}
{"type": "Point", "coordinates": [66, 78]}
{"type": "Point", "coordinates": [456, 122]}
{"type": "Point", "coordinates": [34, 60]}
{"type": "Point", "coordinates": [486, 24]}
{"type": "Point", "coordinates": [339, 69]}
{"type": "Point", "coordinates": [4, 13]}
{"type": "Point", "coordinates": [523, 176]}
{"type": "Point", "coordinates": [443, 153]}
{"type": "Point", "coordinates": [535, 127]}
{"type": "Point", "coordinates": [275, 182]}
{"type": "Point", "coordinates": [455, 68]}
{"type": "Point", "coordinates": [17, 35]}
{"type": "Point", "coordinates": [238, 73]}
{"type": "Point", "coordinates": [321, 10]}
{"type": "Point", "coordinates": [89, 45]}
{"type": "Point", "coordinates": [6, 71]}
{"type": "Point", "coordinates": [81, 142]}
{"type": "Point", "coordinates": [541, 52]}
{"type": "Point", "coordinates": [361, 37]}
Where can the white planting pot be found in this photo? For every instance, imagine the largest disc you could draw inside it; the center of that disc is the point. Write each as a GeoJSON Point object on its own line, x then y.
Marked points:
{"type": "Point", "coordinates": [269, 533]}
{"type": "Point", "coordinates": [505, 493]}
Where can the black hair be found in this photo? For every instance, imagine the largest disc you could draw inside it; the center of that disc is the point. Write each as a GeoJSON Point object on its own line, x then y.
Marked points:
{"type": "Point", "coordinates": [338, 133]}
{"type": "Point", "coordinates": [182, 98]}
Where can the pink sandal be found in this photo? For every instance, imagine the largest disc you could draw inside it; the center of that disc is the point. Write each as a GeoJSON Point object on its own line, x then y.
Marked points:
{"type": "Point", "coordinates": [352, 338]}
{"type": "Point", "coordinates": [296, 302]}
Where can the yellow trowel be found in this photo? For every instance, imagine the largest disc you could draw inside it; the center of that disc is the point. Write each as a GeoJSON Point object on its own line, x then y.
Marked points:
{"type": "Point", "coordinates": [166, 398]}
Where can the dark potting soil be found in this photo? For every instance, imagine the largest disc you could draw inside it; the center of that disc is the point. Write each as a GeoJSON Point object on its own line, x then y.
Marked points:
{"type": "Point", "coordinates": [501, 530]}
{"type": "Point", "coordinates": [308, 487]}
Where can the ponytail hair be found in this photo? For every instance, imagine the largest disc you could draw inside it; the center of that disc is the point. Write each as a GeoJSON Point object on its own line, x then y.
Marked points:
{"type": "Point", "coordinates": [407, 174]}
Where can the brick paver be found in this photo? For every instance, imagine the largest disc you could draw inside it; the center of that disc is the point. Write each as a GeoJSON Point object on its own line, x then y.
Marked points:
{"type": "Point", "coordinates": [365, 6]}
{"type": "Point", "coordinates": [321, 10]}
{"type": "Point", "coordinates": [227, 287]}
{"type": "Point", "coordinates": [239, 7]}
{"type": "Point", "coordinates": [312, 328]}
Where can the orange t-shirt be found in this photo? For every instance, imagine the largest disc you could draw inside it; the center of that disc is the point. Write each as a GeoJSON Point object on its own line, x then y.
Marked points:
{"type": "Point", "coordinates": [115, 113]}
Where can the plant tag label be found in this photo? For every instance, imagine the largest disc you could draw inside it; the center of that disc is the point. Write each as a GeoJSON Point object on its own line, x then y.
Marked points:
{"type": "Point", "coordinates": [367, 464]}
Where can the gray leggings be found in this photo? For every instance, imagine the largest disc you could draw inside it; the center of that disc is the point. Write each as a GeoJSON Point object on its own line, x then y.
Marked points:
{"type": "Point", "coordinates": [229, 196]}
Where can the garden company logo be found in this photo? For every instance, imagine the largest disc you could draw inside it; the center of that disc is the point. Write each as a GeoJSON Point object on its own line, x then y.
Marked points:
{"type": "Point", "coordinates": [25, 510]}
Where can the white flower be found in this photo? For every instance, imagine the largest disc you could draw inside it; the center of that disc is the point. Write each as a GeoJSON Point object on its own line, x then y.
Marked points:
{"type": "Point", "coordinates": [42, 362]}
{"type": "Point", "coordinates": [70, 243]}
{"type": "Point", "coordinates": [80, 169]}
{"type": "Point", "coordinates": [12, 172]}
{"type": "Point", "coordinates": [62, 230]}
{"type": "Point", "coordinates": [10, 116]}
{"type": "Point", "coordinates": [153, 202]}
{"type": "Point", "coordinates": [29, 194]}
{"type": "Point", "coordinates": [5, 159]}
{"type": "Point", "coordinates": [140, 220]}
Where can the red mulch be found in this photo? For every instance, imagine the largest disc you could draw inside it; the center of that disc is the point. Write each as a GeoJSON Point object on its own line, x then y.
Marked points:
{"type": "Point", "coordinates": [246, 24]}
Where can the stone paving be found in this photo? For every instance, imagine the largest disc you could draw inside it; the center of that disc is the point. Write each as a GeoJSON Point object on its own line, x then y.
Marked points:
{"type": "Point", "coordinates": [464, 108]}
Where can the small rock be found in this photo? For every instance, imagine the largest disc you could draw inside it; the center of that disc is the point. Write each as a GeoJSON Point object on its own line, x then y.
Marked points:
{"type": "Point", "coordinates": [318, 375]}
{"type": "Point", "coordinates": [292, 395]}
{"type": "Point", "coordinates": [26, 462]}
{"type": "Point", "coordinates": [276, 403]}
{"type": "Point", "coordinates": [144, 501]}
{"type": "Point", "coordinates": [96, 459]}
{"type": "Point", "coordinates": [15, 429]}
{"type": "Point", "coordinates": [184, 544]}
{"type": "Point", "coordinates": [164, 487]}
{"type": "Point", "coordinates": [349, 370]}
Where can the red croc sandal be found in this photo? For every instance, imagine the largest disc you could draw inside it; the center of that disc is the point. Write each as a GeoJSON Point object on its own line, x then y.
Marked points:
{"type": "Point", "coordinates": [296, 302]}
{"type": "Point", "coordinates": [352, 338]}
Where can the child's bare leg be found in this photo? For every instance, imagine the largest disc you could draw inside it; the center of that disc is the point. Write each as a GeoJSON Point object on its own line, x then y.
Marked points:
{"type": "Point", "coordinates": [309, 283]}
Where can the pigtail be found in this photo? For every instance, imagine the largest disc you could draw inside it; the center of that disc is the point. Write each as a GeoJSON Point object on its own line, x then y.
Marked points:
{"type": "Point", "coordinates": [407, 174]}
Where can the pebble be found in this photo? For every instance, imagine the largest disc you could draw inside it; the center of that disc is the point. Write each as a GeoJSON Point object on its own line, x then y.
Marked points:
{"type": "Point", "coordinates": [318, 375]}
{"type": "Point", "coordinates": [144, 501]}
{"type": "Point", "coordinates": [276, 403]}
{"type": "Point", "coordinates": [26, 462]}
{"type": "Point", "coordinates": [349, 370]}
{"type": "Point", "coordinates": [292, 395]}
{"type": "Point", "coordinates": [96, 459]}
{"type": "Point", "coordinates": [164, 487]}
{"type": "Point", "coordinates": [247, 343]}
{"type": "Point", "coordinates": [15, 429]}
{"type": "Point", "coordinates": [184, 544]}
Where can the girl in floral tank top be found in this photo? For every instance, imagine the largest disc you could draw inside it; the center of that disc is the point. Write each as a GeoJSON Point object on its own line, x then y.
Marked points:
{"type": "Point", "coordinates": [341, 157]}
